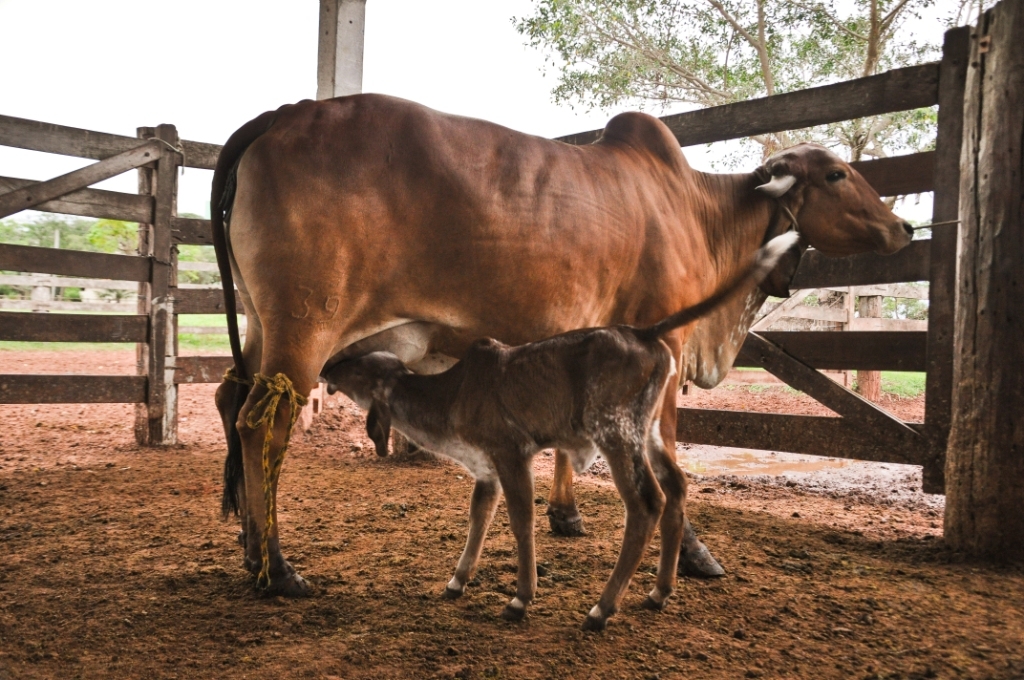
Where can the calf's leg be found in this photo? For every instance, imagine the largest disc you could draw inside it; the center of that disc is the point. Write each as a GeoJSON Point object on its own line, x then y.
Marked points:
{"type": "Point", "coordinates": [644, 502]}
{"type": "Point", "coordinates": [517, 482]}
{"type": "Point", "coordinates": [481, 512]}
{"type": "Point", "coordinates": [563, 515]}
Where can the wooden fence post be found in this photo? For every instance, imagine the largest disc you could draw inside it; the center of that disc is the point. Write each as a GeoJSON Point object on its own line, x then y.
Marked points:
{"type": "Point", "coordinates": [942, 256]}
{"type": "Point", "coordinates": [869, 383]}
{"type": "Point", "coordinates": [985, 459]}
{"type": "Point", "coordinates": [156, 421]}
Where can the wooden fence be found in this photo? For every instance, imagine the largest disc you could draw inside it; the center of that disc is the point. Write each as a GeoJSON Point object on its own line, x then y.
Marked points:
{"type": "Point", "coordinates": [862, 430]}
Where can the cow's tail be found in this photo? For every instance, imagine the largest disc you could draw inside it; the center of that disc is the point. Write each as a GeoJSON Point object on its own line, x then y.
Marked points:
{"type": "Point", "coordinates": [222, 196]}
{"type": "Point", "coordinates": [763, 262]}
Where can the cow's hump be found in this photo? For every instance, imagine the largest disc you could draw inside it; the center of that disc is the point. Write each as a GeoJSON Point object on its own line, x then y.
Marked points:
{"type": "Point", "coordinates": [645, 133]}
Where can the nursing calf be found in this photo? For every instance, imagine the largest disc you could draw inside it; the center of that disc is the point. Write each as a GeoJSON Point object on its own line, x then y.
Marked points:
{"type": "Point", "coordinates": [584, 392]}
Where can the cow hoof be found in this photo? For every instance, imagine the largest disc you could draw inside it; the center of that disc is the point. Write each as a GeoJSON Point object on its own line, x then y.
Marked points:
{"type": "Point", "coordinates": [565, 523]}
{"type": "Point", "coordinates": [697, 561]}
{"type": "Point", "coordinates": [593, 624]}
{"type": "Point", "coordinates": [288, 585]}
{"type": "Point", "coordinates": [510, 613]}
{"type": "Point", "coordinates": [653, 605]}
{"type": "Point", "coordinates": [452, 594]}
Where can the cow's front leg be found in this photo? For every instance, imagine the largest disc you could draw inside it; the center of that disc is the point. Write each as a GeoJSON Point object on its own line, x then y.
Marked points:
{"type": "Point", "coordinates": [262, 459]}
{"type": "Point", "coordinates": [694, 557]}
{"type": "Point", "coordinates": [563, 515]}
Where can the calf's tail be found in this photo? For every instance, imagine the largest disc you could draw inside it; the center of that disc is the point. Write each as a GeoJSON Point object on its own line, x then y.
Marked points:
{"type": "Point", "coordinates": [222, 196]}
{"type": "Point", "coordinates": [763, 263]}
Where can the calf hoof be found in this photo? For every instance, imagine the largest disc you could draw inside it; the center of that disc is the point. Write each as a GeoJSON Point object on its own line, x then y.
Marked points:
{"type": "Point", "coordinates": [653, 605]}
{"type": "Point", "coordinates": [288, 585]}
{"type": "Point", "coordinates": [514, 611]}
{"type": "Point", "coordinates": [565, 523]}
{"type": "Point", "coordinates": [697, 561]}
{"type": "Point", "coordinates": [251, 566]}
{"type": "Point", "coordinates": [241, 538]}
{"type": "Point", "coordinates": [452, 593]}
{"type": "Point", "coordinates": [593, 624]}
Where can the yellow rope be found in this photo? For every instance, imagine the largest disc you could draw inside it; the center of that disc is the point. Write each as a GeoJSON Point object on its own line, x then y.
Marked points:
{"type": "Point", "coordinates": [263, 413]}
{"type": "Point", "coordinates": [231, 375]}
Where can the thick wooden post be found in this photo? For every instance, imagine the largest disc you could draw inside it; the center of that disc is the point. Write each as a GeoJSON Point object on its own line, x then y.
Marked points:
{"type": "Point", "coordinates": [869, 383]}
{"type": "Point", "coordinates": [985, 459]}
{"type": "Point", "coordinates": [942, 258]}
{"type": "Point", "coordinates": [340, 48]}
{"type": "Point", "coordinates": [156, 422]}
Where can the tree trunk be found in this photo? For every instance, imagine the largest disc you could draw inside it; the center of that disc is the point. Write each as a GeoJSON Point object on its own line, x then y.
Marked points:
{"type": "Point", "coordinates": [869, 383]}
{"type": "Point", "coordinates": [985, 459]}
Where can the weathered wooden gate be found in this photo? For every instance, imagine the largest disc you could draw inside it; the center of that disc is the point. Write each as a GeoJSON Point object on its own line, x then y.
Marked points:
{"type": "Point", "coordinates": [863, 430]}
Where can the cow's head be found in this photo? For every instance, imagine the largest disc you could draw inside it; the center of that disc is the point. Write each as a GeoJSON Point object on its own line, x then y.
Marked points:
{"type": "Point", "coordinates": [838, 212]}
{"type": "Point", "coordinates": [368, 381]}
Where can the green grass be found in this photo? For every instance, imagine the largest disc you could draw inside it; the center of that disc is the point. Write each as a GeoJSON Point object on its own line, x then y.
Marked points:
{"type": "Point", "coordinates": [216, 344]}
{"type": "Point", "coordinates": [903, 383]}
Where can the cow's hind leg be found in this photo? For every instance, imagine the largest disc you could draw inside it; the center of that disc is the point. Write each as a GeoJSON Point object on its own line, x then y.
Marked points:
{"type": "Point", "coordinates": [481, 512]}
{"type": "Point", "coordinates": [563, 515]}
{"type": "Point", "coordinates": [644, 503]}
{"type": "Point", "coordinates": [272, 407]}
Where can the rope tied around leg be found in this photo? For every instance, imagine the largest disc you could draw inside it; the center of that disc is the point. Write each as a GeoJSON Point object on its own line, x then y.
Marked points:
{"type": "Point", "coordinates": [263, 413]}
{"type": "Point", "coordinates": [231, 375]}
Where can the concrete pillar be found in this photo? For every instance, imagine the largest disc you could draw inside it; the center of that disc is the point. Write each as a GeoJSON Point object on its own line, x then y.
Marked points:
{"type": "Point", "coordinates": [340, 51]}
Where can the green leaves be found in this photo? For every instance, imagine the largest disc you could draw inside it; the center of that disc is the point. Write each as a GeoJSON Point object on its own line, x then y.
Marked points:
{"type": "Point", "coordinates": [700, 53]}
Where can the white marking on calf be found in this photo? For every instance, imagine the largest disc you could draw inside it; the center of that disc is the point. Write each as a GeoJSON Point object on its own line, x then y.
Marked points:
{"type": "Point", "coordinates": [516, 603]}
{"type": "Point", "coordinates": [456, 584]}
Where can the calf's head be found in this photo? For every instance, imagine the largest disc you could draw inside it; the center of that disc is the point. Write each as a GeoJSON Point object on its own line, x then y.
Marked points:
{"type": "Point", "coordinates": [838, 212]}
{"type": "Point", "coordinates": [368, 381]}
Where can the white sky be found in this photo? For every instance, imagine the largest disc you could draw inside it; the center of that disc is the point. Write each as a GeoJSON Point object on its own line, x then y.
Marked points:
{"type": "Point", "coordinates": [209, 66]}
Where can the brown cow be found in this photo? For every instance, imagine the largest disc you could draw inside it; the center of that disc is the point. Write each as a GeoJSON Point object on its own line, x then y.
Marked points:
{"type": "Point", "coordinates": [369, 223]}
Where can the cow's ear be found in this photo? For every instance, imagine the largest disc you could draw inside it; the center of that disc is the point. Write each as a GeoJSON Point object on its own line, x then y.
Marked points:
{"type": "Point", "coordinates": [378, 426]}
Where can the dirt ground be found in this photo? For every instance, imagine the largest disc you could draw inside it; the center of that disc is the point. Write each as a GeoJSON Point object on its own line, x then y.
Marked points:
{"type": "Point", "coordinates": [118, 565]}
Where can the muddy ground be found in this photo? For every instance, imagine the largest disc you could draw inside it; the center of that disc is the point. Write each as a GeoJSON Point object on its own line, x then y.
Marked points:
{"type": "Point", "coordinates": [117, 564]}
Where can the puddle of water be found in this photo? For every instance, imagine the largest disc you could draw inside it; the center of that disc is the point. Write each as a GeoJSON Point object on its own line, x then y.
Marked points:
{"type": "Point", "coordinates": [749, 463]}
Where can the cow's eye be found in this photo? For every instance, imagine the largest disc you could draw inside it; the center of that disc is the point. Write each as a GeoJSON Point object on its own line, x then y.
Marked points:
{"type": "Point", "coordinates": [835, 176]}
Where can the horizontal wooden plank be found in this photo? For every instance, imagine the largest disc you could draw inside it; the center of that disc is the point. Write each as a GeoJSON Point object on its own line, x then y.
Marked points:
{"type": "Point", "coordinates": [899, 325]}
{"type": "Point", "coordinates": [913, 291]}
{"type": "Point", "coordinates": [125, 307]}
{"type": "Point", "coordinates": [901, 89]}
{"type": "Point", "coordinates": [202, 301]}
{"type": "Point", "coordinates": [100, 203]}
{"type": "Point", "coordinates": [200, 369]}
{"type": "Point", "coordinates": [900, 175]}
{"type": "Point", "coordinates": [848, 350]}
{"type": "Point", "coordinates": [815, 435]}
{"type": "Point", "coordinates": [61, 139]}
{"type": "Point", "coordinates": [191, 231]}
{"type": "Point", "coordinates": [73, 327]}
{"type": "Point", "coordinates": [41, 192]}
{"type": "Point", "coordinates": [193, 266]}
{"type": "Point", "coordinates": [73, 263]}
{"type": "Point", "coordinates": [200, 154]}
{"type": "Point", "coordinates": [72, 389]}
{"type": "Point", "coordinates": [818, 271]}
{"type": "Point", "coordinates": [50, 281]}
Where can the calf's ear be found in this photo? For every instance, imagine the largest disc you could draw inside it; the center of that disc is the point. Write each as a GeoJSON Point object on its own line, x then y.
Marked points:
{"type": "Point", "coordinates": [378, 426]}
